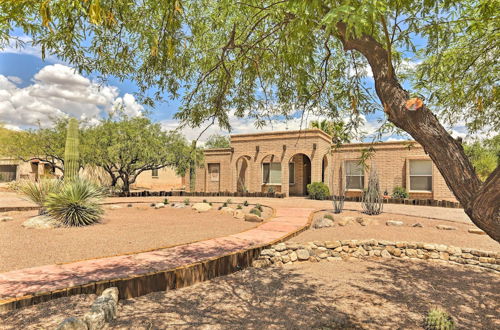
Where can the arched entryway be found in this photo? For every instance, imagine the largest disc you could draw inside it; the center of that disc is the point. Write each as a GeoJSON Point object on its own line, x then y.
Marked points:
{"type": "Point", "coordinates": [242, 173]}
{"type": "Point", "coordinates": [299, 173]}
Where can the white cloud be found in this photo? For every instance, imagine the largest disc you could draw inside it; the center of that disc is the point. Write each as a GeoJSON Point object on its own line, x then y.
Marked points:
{"type": "Point", "coordinates": [15, 80]}
{"type": "Point", "coordinates": [59, 91]}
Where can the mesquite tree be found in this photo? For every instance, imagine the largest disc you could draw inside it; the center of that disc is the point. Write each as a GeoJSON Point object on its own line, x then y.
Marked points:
{"type": "Point", "coordinates": [71, 151]}
{"type": "Point", "coordinates": [265, 58]}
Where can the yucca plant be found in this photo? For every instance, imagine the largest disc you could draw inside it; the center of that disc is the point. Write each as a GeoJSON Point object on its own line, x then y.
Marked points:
{"type": "Point", "coordinates": [37, 192]}
{"type": "Point", "coordinates": [438, 319]}
{"type": "Point", "coordinates": [76, 204]}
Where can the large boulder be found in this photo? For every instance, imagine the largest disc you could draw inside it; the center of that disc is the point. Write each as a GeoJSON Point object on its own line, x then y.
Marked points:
{"type": "Point", "coordinates": [159, 205]}
{"type": "Point", "coordinates": [322, 223]}
{"type": "Point", "coordinates": [395, 223]}
{"type": "Point", "coordinates": [471, 230]}
{"type": "Point", "coordinates": [179, 206]}
{"type": "Point", "coordinates": [226, 209]}
{"type": "Point", "coordinates": [250, 217]}
{"type": "Point", "coordinates": [345, 221]}
{"type": "Point", "coordinates": [239, 214]}
{"type": "Point", "coordinates": [41, 222]}
{"type": "Point", "coordinates": [201, 207]}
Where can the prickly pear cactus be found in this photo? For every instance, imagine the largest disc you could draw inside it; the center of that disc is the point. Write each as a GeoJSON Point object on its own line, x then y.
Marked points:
{"type": "Point", "coordinates": [71, 152]}
{"type": "Point", "coordinates": [438, 320]}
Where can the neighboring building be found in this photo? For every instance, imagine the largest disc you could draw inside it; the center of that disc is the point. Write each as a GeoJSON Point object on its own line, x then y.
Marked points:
{"type": "Point", "coordinates": [162, 179]}
{"type": "Point", "coordinates": [13, 169]}
{"type": "Point", "coordinates": [287, 161]}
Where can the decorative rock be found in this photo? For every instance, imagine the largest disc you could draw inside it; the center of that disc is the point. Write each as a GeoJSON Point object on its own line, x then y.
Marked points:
{"type": "Point", "coordinates": [268, 252]}
{"type": "Point", "coordinates": [41, 222]}
{"type": "Point", "coordinates": [385, 254]}
{"type": "Point", "coordinates": [319, 243]}
{"type": "Point", "coordinates": [322, 223]}
{"type": "Point", "coordinates": [471, 230]}
{"type": "Point", "coordinates": [285, 259]}
{"type": "Point", "coordinates": [444, 256]}
{"type": "Point", "coordinates": [5, 219]}
{"type": "Point", "coordinates": [280, 247]}
{"type": "Point", "coordinates": [445, 227]}
{"type": "Point", "coordinates": [293, 256]}
{"type": "Point", "coordinates": [201, 207]}
{"type": "Point", "coordinates": [179, 206]}
{"type": "Point", "coordinates": [429, 246]}
{"type": "Point", "coordinates": [115, 207]}
{"type": "Point", "coordinates": [334, 258]}
{"type": "Point", "coordinates": [345, 221]}
{"type": "Point", "coordinates": [364, 221]}
{"type": "Point", "coordinates": [303, 254]}
{"type": "Point", "coordinates": [394, 223]}
{"type": "Point", "coordinates": [332, 244]}
{"type": "Point", "coordinates": [250, 217]}
{"type": "Point", "coordinates": [259, 263]}
{"type": "Point", "coordinates": [159, 205]}
{"type": "Point", "coordinates": [239, 214]}
{"type": "Point", "coordinates": [227, 210]}
{"type": "Point", "coordinates": [454, 250]}
{"type": "Point", "coordinates": [397, 252]}
{"type": "Point", "coordinates": [72, 323]}
{"type": "Point", "coordinates": [417, 224]}
{"type": "Point", "coordinates": [323, 255]}
{"type": "Point", "coordinates": [412, 253]}
{"type": "Point", "coordinates": [441, 247]}
{"type": "Point", "coordinates": [292, 246]}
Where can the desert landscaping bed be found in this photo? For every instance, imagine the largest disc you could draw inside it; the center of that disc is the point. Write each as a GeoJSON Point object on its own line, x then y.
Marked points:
{"type": "Point", "coordinates": [355, 294]}
{"type": "Point", "coordinates": [376, 227]}
{"type": "Point", "coordinates": [123, 230]}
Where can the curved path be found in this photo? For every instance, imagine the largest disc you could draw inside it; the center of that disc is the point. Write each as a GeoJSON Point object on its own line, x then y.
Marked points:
{"type": "Point", "coordinates": [142, 273]}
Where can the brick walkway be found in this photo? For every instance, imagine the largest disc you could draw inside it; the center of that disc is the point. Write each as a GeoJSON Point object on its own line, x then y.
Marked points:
{"type": "Point", "coordinates": [18, 287]}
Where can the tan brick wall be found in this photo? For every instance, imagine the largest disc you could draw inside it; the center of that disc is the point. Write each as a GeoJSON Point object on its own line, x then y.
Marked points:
{"type": "Point", "coordinates": [390, 159]}
{"type": "Point", "coordinates": [167, 179]}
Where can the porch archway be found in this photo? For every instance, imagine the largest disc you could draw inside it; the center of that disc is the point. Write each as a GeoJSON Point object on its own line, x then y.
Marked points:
{"type": "Point", "coordinates": [299, 172]}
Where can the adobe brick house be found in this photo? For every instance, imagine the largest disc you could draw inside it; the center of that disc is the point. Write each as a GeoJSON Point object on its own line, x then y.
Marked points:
{"type": "Point", "coordinates": [287, 161]}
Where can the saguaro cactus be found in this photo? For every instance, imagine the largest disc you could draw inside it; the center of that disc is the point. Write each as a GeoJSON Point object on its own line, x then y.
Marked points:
{"type": "Point", "coordinates": [71, 152]}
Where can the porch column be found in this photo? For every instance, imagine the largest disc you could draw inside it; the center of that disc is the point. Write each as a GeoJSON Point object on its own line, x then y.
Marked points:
{"type": "Point", "coordinates": [316, 166]}
{"type": "Point", "coordinates": [285, 187]}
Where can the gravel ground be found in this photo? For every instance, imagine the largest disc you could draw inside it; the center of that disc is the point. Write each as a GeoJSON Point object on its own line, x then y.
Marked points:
{"type": "Point", "coordinates": [123, 230]}
{"type": "Point", "coordinates": [379, 230]}
{"type": "Point", "coordinates": [353, 294]}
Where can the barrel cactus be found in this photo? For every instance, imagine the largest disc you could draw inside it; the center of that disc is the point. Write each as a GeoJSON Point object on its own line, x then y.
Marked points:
{"type": "Point", "coordinates": [71, 152]}
{"type": "Point", "coordinates": [438, 319]}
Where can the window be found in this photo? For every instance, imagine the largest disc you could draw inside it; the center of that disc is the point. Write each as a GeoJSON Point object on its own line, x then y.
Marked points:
{"type": "Point", "coordinates": [354, 175]}
{"type": "Point", "coordinates": [271, 173]}
{"type": "Point", "coordinates": [420, 175]}
{"type": "Point", "coordinates": [291, 173]}
{"type": "Point", "coordinates": [154, 173]}
{"type": "Point", "coordinates": [213, 172]}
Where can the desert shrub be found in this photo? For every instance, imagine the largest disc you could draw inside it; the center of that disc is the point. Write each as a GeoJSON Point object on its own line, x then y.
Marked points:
{"type": "Point", "coordinates": [259, 207]}
{"type": "Point", "coordinates": [229, 201]}
{"type": "Point", "coordinates": [256, 211]}
{"type": "Point", "coordinates": [438, 319]}
{"type": "Point", "coordinates": [186, 201]}
{"type": "Point", "coordinates": [76, 204]}
{"type": "Point", "coordinates": [129, 205]}
{"type": "Point", "coordinates": [37, 192]}
{"type": "Point", "coordinates": [239, 207]}
{"type": "Point", "coordinates": [165, 201]}
{"type": "Point", "coordinates": [245, 203]}
{"type": "Point", "coordinates": [205, 201]}
{"type": "Point", "coordinates": [318, 190]}
{"type": "Point", "coordinates": [224, 204]}
{"type": "Point", "coordinates": [399, 192]}
{"type": "Point", "coordinates": [328, 216]}
{"type": "Point", "coordinates": [210, 203]}
{"type": "Point", "coordinates": [270, 190]}
{"type": "Point", "coordinates": [152, 204]}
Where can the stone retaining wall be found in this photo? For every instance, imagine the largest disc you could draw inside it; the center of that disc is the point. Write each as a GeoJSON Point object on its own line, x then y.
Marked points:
{"type": "Point", "coordinates": [287, 253]}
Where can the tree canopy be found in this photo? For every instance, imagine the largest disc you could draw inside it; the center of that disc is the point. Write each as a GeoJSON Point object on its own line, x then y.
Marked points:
{"type": "Point", "coordinates": [217, 141]}
{"type": "Point", "coordinates": [264, 59]}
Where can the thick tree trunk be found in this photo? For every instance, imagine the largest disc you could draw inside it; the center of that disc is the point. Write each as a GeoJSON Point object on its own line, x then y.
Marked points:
{"type": "Point", "coordinates": [480, 201]}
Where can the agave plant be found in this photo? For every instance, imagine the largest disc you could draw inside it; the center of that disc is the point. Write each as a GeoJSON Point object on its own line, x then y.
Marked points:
{"type": "Point", "coordinates": [37, 192]}
{"type": "Point", "coordinates": [77, 203]}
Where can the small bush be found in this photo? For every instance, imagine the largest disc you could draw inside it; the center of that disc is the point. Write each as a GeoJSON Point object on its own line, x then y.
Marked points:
{"type": "Point", "coordinates": [239, 207]}
{"type": "Point", "coordinates": [399, 192]}
{"type": "Point", "coordinates": [172, 204]}
{"type": "Point", "coordinates": [245, 203]}
{"type": "Point", "coordinates": [152, 204]}
{"type": "Point", "coordinates": [318, 190]}
{"type": "Point", "coordinates": [186, 201]}
{"type": "Point", "coordinates": [270, 190]}
{"type": "Point", "coordinates": [259, 207]}
{"type": "Point", "coordinates": [76, 204]}
{"type": "Point", "coordinates": [210, 203]}
{"type": "Point", "coordinates": [37, 192]}
{"type": "Point", "coordinates": [438, 319]}
{"type": "Point", "coordinates": [205, 201]}
{"type": "Point", "coordinates": [165, 201]}
{"type": "Point", "coordinates": [129, 205]}
{"type": "Point", "coordinates": [224, 204]}
{"type": "Point", "coordinates": [229, 201]}
{"type": "Point", "coordinates": [328, 216]}
{"type": "Point", "coordinates": [256, 211]}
